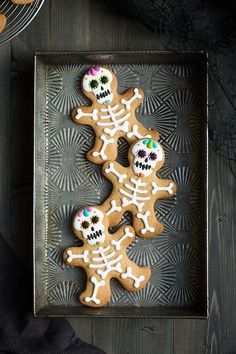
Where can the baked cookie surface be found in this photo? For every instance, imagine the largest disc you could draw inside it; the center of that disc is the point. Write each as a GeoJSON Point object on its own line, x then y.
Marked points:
{"type": "Point", "coordinates": [111, 115]}
{"type": "Point", "coordinates": [103, 256]}
{"type": "Point", "coordinates": [136, 188]}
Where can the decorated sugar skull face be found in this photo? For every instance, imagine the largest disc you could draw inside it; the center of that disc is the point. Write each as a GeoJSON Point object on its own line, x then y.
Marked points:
{"type": "Point", "coordinates": [90, 222]}
{"type": "Point", "coordinates": [147, 153]}
{"type": "Point", "coordinates": [98, 80]}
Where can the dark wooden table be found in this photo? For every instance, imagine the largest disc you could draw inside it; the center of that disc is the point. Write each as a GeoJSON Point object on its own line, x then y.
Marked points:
{"type": "Point", "coordinates": [87, 25]}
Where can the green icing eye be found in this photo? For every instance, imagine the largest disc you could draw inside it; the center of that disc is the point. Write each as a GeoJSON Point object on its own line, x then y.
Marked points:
{"type": "Point", "coordinates": [93, 84]}
{"type": "Point", "coordinates": [104, 79]}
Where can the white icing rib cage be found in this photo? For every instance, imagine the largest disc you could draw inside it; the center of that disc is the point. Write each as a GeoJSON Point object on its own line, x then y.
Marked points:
{"type": "Point", "coordinates": [18, 17]}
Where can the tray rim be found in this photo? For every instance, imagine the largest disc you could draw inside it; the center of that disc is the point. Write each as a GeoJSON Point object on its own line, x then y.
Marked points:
{"type": "Point", "coordinates": [43, 311]}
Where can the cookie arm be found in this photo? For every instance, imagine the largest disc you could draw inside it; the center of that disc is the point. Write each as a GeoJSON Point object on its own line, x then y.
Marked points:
{"type": "Point", "coordinates": [112, 205]}
{"type": "Point", "coordinates": [112, 208]}
{"type": "Point", "coordinates": [76, 256]}
{"type": "Point", "coordinates": [84, 115]}
{"type": "Point", "coordinates": [113, 171]}
{"type": "Point", "coordinates": [104, 149]}
{"type": "Point", "coordinates": [123, 237]}
{"type": "Point", "coordinates": [146, 224]}
{"type": "Point", "coordinates": [132, 98]}
{"type": "Point", "coordinates": [163, 188]}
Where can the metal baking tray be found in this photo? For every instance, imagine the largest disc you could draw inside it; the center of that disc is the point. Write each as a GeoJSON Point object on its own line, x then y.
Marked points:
{"type": "Point", "coordinates": [175, 86]}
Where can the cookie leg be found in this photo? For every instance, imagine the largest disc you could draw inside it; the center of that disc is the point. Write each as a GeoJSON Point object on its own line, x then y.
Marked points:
{"type": "Point", "coordinates": [112, 208]}
{"type": "Point", "coordinates": [138, 131]}
{"type": "Point", "coordinates": [97, 292]}
{"type": "Point", "coordinates": [105, 148]}
{"type": "Point", "coordinates": [146, 224]}
{"type": "Point", "coordinates": [133, 277]}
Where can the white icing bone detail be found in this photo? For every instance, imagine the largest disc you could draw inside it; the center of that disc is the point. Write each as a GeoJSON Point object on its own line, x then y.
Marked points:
{"type": "Point", "coordinates": [80, 114]}
{"type": "Point", "coordinates": [144, 217]}
{"type": "Point", "coordinates": [128, 103]}
{"type": "Point", "coordinates": [115, 123]}
{"type": "Point", "coordinates": [98, 251]}
{"type": "Point", "coordinates": [104, 273]}
{"type": "Point", "coordinates": [117, 244]}
{"type": "Point", "coordinates": [113, 207]}
{"type": "Point", "coordinates": [97, 285]}
{"type": "Point", "coordinates": [107, 263]}
{"type": "Point", "coordinates": [135, 198]}
{"type": "Point", "coordinates": [83, 256]}
{"type": "Point", "coordinates": [157, 188]}
{"type": "Point", "coordinates": [134, 132]}
{"type": "Point", "coordinates": [106, 110]}
{"type": "Point", "coordinates": [111, 169]}
{"type": "Point", "coordinates": [129, 274]}
{"type": "Point", "coordinates": [104, 146]}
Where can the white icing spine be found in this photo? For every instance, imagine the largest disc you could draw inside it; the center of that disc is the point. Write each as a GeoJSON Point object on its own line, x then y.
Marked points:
{"type": "Point", "coordinates": [135, 195]}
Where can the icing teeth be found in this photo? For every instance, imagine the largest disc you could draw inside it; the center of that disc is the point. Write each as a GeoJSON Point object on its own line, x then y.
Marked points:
{"type": "Point", "coordinates": [102, 94]}
{"type": "Point", "coordinates": [142, 166]}
{"type": "Point", "coordinates": [95, 235]}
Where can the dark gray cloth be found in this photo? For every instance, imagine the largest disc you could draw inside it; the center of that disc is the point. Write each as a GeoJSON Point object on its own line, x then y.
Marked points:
{"type": "Point", "coordinates": [212, 22]}
{"type": "Point", "coordinates": [211, 26]}
{"type": "Point", "coordinates": [19, 331]}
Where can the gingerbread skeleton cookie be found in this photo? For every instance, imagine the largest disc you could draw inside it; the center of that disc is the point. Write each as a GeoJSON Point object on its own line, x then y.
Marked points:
{"type": "Point", "coordinates": [103, 256]}
{"type": "Point", "coordinates": [136, 188]}
{"type": "Point", "coordinates": [111, 115]}
{"type": "Point", "coordinates": [3, 22]}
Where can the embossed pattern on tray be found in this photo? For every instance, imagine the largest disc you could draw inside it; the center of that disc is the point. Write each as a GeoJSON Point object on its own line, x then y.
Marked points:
{"type": "Point", "coordinates": [171, 105]}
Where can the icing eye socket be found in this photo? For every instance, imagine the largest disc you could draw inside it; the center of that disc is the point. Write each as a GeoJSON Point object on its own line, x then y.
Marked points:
{"type": "Point", "coordinates": [95, 219]}
{"type": "Point", "coordinates": [104, 79]}
{"type": "Point", "coordinates": [153, 156]}
{"type": "Point", "coordinates": [142, 153]}
{"type": "Point", "coordinates": [93, 84]}
{"type": "Point", "coordinates": [85, 224]}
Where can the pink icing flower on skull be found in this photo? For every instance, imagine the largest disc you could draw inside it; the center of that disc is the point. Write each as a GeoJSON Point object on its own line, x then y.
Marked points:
{"type": "Point", "coordinates": [90, 222]}
{"type": "Point", "coordinates": [98, 80]}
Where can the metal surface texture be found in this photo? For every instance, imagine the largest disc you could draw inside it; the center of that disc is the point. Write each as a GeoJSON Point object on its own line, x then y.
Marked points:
{"type": "Point", "coordinates": [175, 87]}
{"type": "Point", "coordinates": [18, 17]}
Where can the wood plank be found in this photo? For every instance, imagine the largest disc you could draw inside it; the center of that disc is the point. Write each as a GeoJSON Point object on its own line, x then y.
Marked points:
{"type": "Point", "coordinates": [82, 327]}
{"type": "Point", "coordinates": [216, 335]}
{"type": "Point", "coordinates": [5, 180]}
{"type": "Point", "coordinates": [129, 336]}
{"type": "Point", "coordinates": [59, 26]}
{"type": "Point", "coordinates": [189, 336]}
{"type": "Point", "coordinates": [111, 32]}
{"type": "Point", "coordinates": [222, 321]}
{"type": "Point", "coordinates": [48, 32]}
